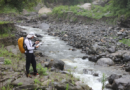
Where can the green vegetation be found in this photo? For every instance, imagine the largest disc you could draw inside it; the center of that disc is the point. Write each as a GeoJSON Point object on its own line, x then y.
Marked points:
{"type": "Point", "coordinates": [6, 29]}
{"type": "Point", "coordinates": [41, 70]}
{"type": "Point", "coordinates": [103, 81]}
{"type": "Point", "coordinates": [97, 12]}
{"type": "Point", "coordinates": [20, 83]}
{"type": "Point", "coordinates": [7, 61]}
{"type": "Point", "coordinates": [4, 22]}
{"type": "Point", "coordinates": [12, 6]}
{"type": "Point", "coordinates": [113, 9]}
{"type": "Point", "coordinates": [125, 41]}
{"type": "Point", "coordinates": [70, 2]}
{"type": "Point", "coordinates": [67, 86]}
{"type": "Point", "coordinates": [8, 87]}
{"type": "Point", "coordinates": [36, 81]}
{"type": "Point", "coordinates": [7, 35]}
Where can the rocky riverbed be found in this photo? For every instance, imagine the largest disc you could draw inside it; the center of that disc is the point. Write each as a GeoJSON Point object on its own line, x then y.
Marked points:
{"type": "Point", "coordinates": [100, 43]}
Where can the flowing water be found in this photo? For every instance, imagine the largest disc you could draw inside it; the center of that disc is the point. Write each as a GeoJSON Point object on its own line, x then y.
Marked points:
{"type": "Point", "coordinates": [58, 49]}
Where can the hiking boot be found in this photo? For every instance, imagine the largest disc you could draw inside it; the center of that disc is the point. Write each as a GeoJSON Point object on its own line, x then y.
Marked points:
{"type": "Point", "coordinates": [35, 74]}
{"type": "Point", "coordinates": [28, 75]}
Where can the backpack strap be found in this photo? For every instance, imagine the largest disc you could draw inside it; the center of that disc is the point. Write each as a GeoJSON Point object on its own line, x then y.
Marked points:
{"type": "Point", "coordinates": [24, 45]}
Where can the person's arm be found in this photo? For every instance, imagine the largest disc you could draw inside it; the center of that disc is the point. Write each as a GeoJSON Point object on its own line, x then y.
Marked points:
{"type": "Point", "coordinates": [29, 47]}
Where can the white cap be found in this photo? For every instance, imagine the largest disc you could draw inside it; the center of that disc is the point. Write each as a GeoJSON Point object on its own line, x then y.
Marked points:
{"type": "Point", "coordinates": [31, 34]}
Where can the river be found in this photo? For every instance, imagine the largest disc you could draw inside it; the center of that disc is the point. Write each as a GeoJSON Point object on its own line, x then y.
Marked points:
{"type": "Point", "coordinates": [82, 69]}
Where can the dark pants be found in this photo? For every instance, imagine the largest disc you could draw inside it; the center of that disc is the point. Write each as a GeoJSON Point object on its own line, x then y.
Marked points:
{"type": "Point", "coordinates": [30, 59]}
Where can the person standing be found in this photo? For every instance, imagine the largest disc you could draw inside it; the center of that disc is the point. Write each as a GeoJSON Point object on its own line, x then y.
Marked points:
{"type": "Point", "coordinates": [29, 49]}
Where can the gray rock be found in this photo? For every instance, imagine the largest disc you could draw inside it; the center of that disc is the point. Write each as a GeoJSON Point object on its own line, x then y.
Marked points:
{"type": "Point", "coordinates": [122, 83]}
{"type": "Point", "coordinates": [112, 77]}
{"type": "Point", "coordinates": [58, 64]}
{"type": "Point", "coordinates": [105, 62]}
{"type": "Point", "coordinates": [24, 81]}
{"type": "Point", "coordinates": [112, 49]}
{"type": "Point", "coordinates": [2, 59]}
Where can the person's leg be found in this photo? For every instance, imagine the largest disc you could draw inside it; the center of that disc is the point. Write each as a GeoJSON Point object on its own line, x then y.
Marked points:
{"type": "Point", "coordinates": [34, 63]}
{"type": "Point", "coordinates": [28, 61]}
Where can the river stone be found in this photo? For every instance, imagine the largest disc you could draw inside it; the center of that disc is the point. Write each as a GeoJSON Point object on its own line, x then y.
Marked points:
{"type": "Point", "coordinates": [112, 77]}
{"type": "Point", "coordinates": [122, 83]}
{"type": "Point", "coordinates": [2, 59]}
{"type": "Point", "coordinates": [25, 81]}
{"type": "Point", "coordinates": [44, 10]}
{"type": "Point", "coordinates": [86, 6]}
{"type": "Point", "coordinates": [13, 49]}
{"type": "Point", "coordinates": [127, 69]}
{"type": "Point", "coordinates": [112, 49]}
{"type": "Point", "coordinates": [58, 64]}
{"type": "Point", "coordinates": [105, 62]}
{"type": "Point", "coordinates": [126, 58]}
{"type": "Point", "coordinates": [93, 58]}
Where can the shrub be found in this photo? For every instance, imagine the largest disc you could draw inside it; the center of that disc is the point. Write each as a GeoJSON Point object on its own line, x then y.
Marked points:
{"type": "Point", "coordinates": [7, 61]}
{"type": "Point", "coordinates": [40, 69]}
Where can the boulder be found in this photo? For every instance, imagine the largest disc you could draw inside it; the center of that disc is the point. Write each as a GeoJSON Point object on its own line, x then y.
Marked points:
{"type": "Point", "coordinates": [44, 10]}
{"type": "Point", "coordinates": [112, 77]}
{"type": "Point", "coordinates": [86, 6]}
{"type": "Point", "coordinates": [13, 49]}
{"type": "Point", "coordinates": [24, 80]}
{"type": "Point", "coordinates": [105, 62]}
{"type": "Point", "coordinates": [93, 58]}
{"type": "Point", "coordinates": [122, 83]}
{"type": "Point", "coordinates": [58, 64]}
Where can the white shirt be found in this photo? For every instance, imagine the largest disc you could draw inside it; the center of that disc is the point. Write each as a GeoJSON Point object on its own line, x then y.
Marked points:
{"type": "Point", "coordinates": [29, 45]}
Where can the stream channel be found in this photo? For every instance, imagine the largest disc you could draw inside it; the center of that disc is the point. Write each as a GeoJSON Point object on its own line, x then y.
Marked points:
{"type": "Point", "coordinates": [58, 49]}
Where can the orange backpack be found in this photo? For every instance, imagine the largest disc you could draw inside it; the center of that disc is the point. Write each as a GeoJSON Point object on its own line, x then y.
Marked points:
{"type": "Point", "coordinates": [21, 44]}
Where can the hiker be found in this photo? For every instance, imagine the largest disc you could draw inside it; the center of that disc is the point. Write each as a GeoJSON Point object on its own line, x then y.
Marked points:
{"type": "Point", "coordinates": [30, 58]}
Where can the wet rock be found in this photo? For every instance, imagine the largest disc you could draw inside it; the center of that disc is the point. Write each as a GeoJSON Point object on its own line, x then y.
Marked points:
{"type": "Point", "coordinates": [58, 64]}
{"type": "Point", "coordinates": [122, 83]}
{"type": "Point", "coordinates": [95, 74]}
{"type": "Point", "coordinates": [38, 53]}
{"type": "Point", "coordinates": [112, 77]}
{"type": "Point", "coordinates": [84, 57]}
{"type": "Point", "coordinates": [105, 62]}
{"type": "Point", "coordinates": [93, 58]}
{"type": "Point", "coordinates": [108, 86]}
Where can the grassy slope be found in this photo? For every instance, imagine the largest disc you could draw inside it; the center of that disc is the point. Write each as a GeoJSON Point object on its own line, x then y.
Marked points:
{"type": "Point", "coordinates": [97, 12]}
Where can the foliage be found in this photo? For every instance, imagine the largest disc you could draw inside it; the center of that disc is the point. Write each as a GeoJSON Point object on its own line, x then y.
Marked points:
{"type": "Point", "coordinates": [97, 12]}
{"type": "Point", "coordinates": [40, 69]}
{"type": "Point", "coordinates": [71, 2]}
{"type": "Point", "coordinates": [115, 8]}
{"type": "Point", "coordinates": [4, 22]}
{"type": "Point", "coordinates": [67, 86]}
{"type": "Point", "coordinates": [7, 61]}
{"type": "Point", "coordinates": [6, 29]}
{"type": "Point", "coordinates": [103, 81]}
{"type": "Point", "coordinates": [7, 35]}
{"type": "Point", "coordinates": [20, 83]}
{"type": "Point", "coordinates": [125, 41]}
{"type": "Point", "coordinates": [18, 5]}
{"type": "Point", "coordinates": [8, 87]}
{"type": "Point", "coordinates": [36, 81]}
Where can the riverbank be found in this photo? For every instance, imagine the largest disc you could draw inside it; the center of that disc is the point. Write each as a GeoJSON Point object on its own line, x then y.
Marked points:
{"type": "Point", "coordinates": [97, 41]}
{"type": "Point", "coordinates": [12, 71]}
